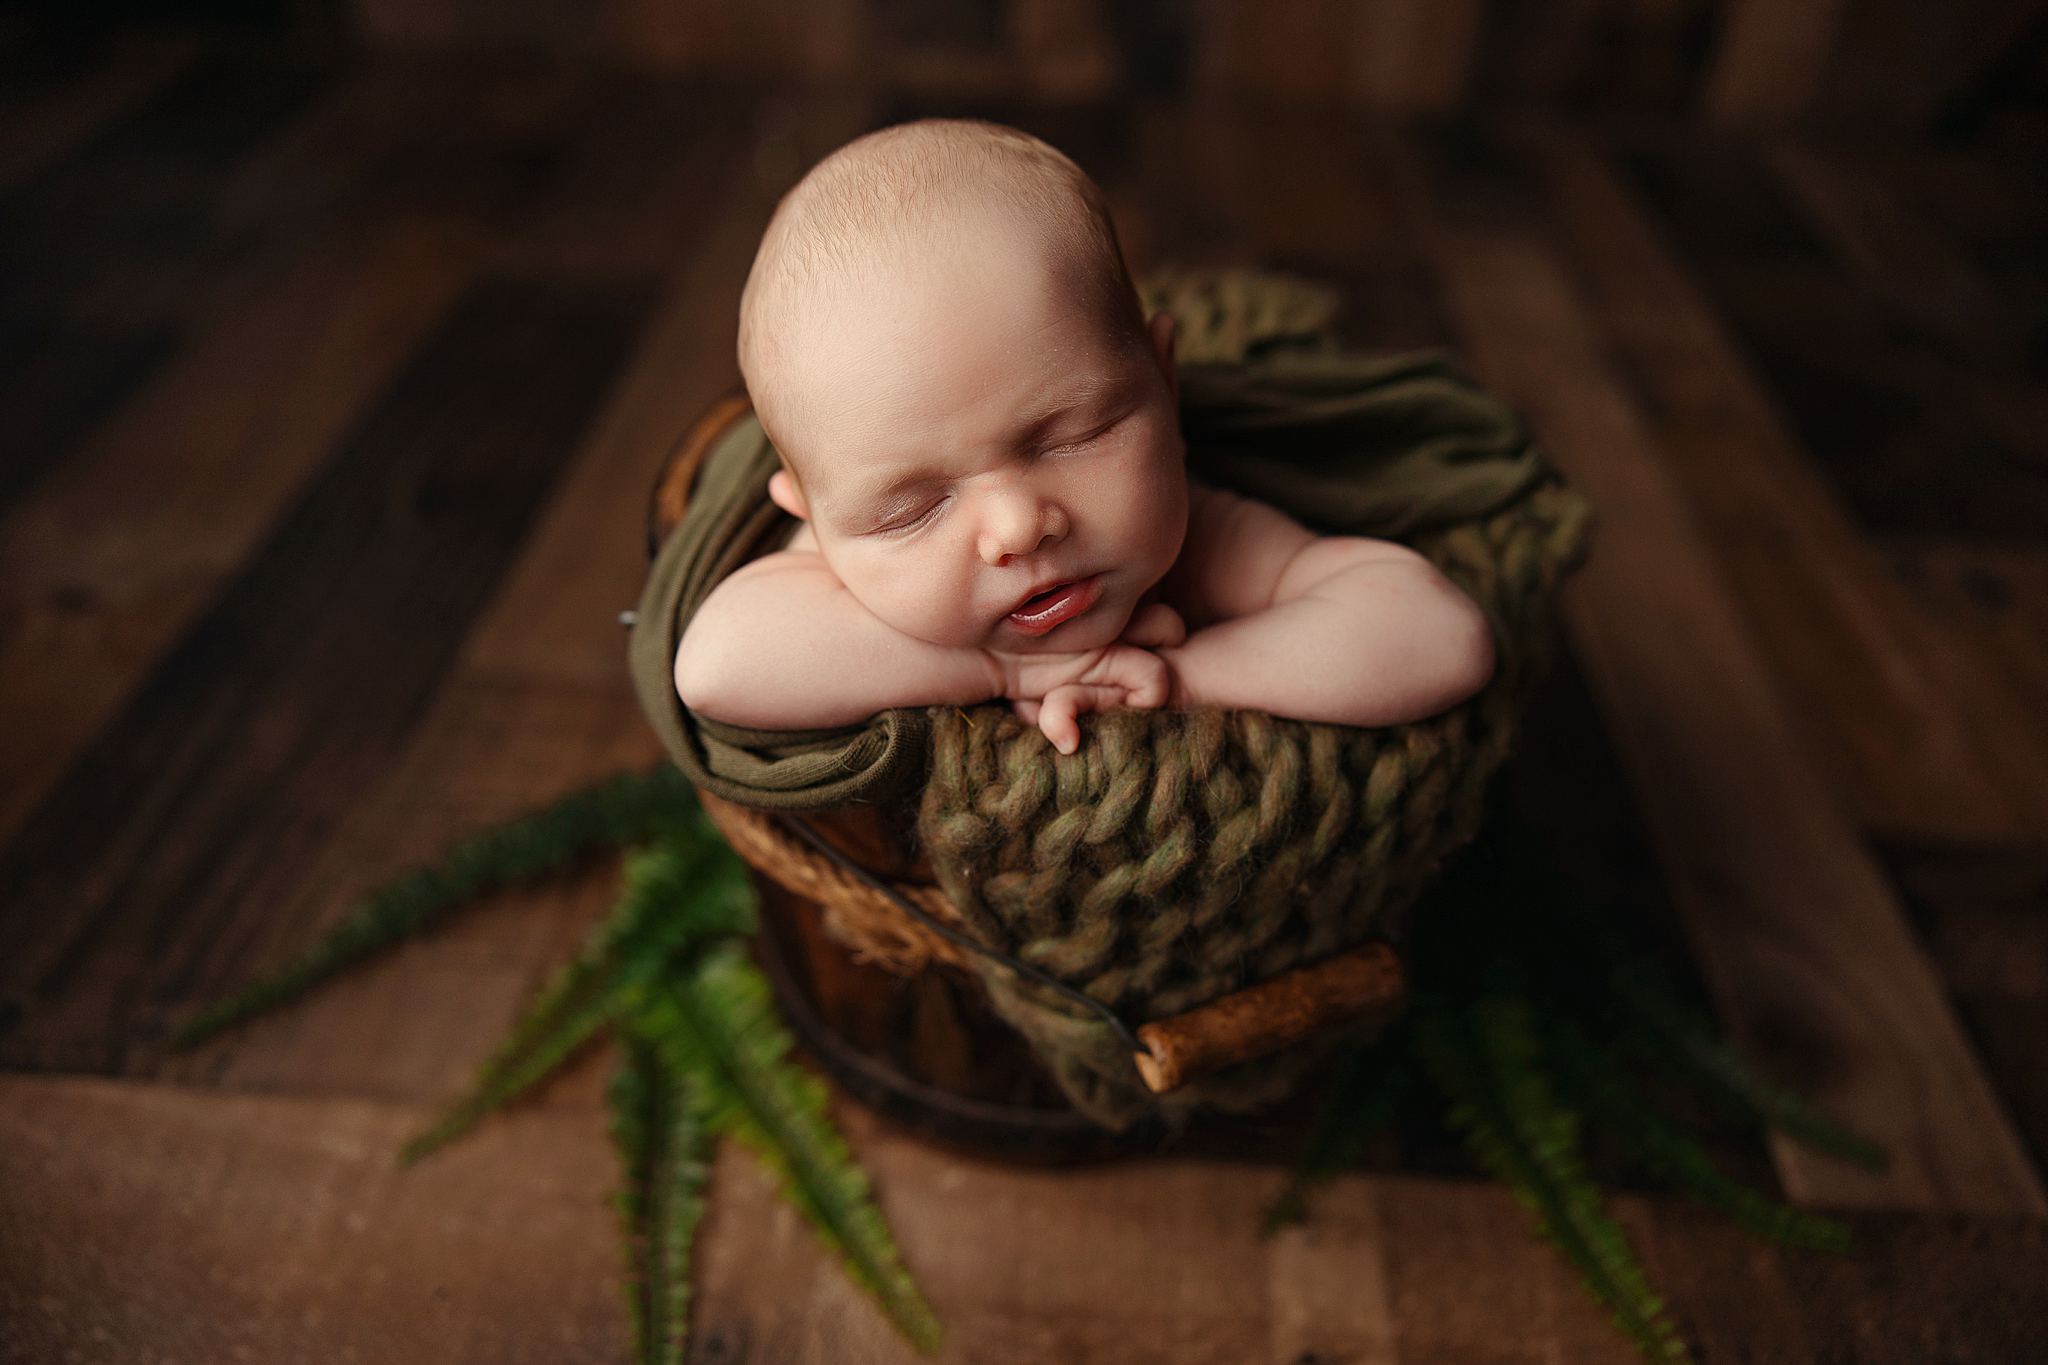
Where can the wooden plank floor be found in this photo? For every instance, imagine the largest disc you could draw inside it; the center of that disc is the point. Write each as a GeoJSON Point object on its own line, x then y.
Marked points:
{"type": "Point", "coordinates": [333, 391]}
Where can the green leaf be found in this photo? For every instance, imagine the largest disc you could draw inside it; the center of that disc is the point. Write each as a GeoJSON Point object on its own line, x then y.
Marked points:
{"type": "Point", "coordinates": [687, 890]}
{"type": "Point", "coordinates": [1576, 940]}
{"type": "Point", "coordinates": [664, 1155]}
{"type": "Point", "coordinates": [567, 1015]}
{"type": "Point", "coordinates": [1669, 1152]}
{"type": "Point", "coordinates": [1692, 1044]}
{"type": "Point", "coordinates": [1364, 1088]}
{"type": "Point", "coordinates": [623, 810]}
{"type": "Point", "coordinates": [1485, 1059]}
{"type": "Point", "coordinates": [715, 1022]}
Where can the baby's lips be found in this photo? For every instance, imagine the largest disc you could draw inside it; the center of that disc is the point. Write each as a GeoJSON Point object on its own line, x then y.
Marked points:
{"type": "Point", "coordinates": [1069, 600]}
{"type": "Point", "coordinates": [1028, 597]}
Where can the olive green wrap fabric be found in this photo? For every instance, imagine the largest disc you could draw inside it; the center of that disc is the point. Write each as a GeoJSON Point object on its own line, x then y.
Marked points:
{"type": "Point", "coordinates": [1182, 855]}
{"type": "Point", "coordinates": [730, 520]}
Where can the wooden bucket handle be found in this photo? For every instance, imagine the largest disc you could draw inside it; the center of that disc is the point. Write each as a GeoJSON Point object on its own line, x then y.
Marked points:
{"type": "Point", "coordinates": [1352, 987]}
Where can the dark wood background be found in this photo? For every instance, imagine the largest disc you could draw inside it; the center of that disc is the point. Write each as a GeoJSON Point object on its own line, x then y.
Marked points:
{"type": "Point", "coordinates": [334, 379]}
{"type": "Point", "coordinates": [1718, 62]}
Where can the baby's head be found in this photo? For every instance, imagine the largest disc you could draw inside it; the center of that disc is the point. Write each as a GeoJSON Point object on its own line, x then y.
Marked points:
{"type": "Point", "coordinates": [941, 338]}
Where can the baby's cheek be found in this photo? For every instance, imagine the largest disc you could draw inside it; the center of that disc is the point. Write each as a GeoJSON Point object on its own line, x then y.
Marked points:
{"type": "Point", "coordinates": [924, 602]}
{"type": "Point", "coordinates": [1167, 526]}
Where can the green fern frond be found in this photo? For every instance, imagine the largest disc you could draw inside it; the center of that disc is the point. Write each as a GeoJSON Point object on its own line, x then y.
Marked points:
{"type": "Point", "coordinates": [627, 809]}
{"type": "Point", "coordinates": [569, 1013]}
{"type": "Point", "coordinates": [1692, 1044]}
{"type": "Point", "coordinates": [633, 1097]}
{"type": "Point", "coordinates": [1485, 1060]}
{"type": "Point", "coordinates": [689, 888]}
{"type": "Point", "coordinates": [717, 1025]}
{"type": "Point", "coordinates": [1676, 1156]}
{"type": "Point", "coordinates": [1366, 1084]}
{"type": "Point", "coordinates": [664, 1155]}
{"type": "Point", "coordinates": [1573, 936]}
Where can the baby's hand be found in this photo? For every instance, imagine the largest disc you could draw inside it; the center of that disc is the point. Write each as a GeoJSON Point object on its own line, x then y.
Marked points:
{"type": "Point", "coordinates": [1123, 674]}
{"type": "Point", "coordinates": [1158, 626]}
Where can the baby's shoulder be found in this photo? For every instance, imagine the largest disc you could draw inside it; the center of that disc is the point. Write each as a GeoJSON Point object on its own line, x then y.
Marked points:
{"type": "Point", "coordinates": [786, 553]}
{"type": "Point", "coordinates": [1234, 553]}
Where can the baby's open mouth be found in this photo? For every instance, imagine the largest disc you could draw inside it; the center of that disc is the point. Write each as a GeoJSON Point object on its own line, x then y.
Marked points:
{"type": "Point", "coordinates": [1042, 611]}
{"type": "Point", "coordinates": [1040, 598]}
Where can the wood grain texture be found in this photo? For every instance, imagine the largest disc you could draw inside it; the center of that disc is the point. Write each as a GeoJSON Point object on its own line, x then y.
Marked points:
{"type": "Point", "coordinates": [47, 116]}
{"type": "Point", "coordinates": [1700, 62]}
{"type": "Point", "coordinates": [536, 701]}
{"type": "Point", "coordinates": [152, 1222]}
{"type": "Point", "coordinates": [120, 234]}
{"type": "Point", "coordinates": [1414, 55]}
{"type": "Point", "coordinates": [1925, 282]}
{"type": "Point", "coordinates": [1283, 187]}
{"type": "Point", "coordinates": [1388, 1268]}
{"type": "Point", "coordinates": [1994, 601]}
{"type": "Point", "coordinates": [415, 1025]}
{"type": "Point", "coordinates": [114, 554]}
{"type": "Point", "coordinates": [1879, 399]}
{"type": "Point", "coordinates": [1983, 913]}
{"type": "Point", "coordinates": [1769, 58]}
{"type": "Point", "coordinates": [1293, 49]}
{"type": "Point", "coordinates": [1801, 941]}
{"type": "Point", "coordinates": [58, 382]}
{"type": "Point", "coordinates": [1920, 732]}
{"type": "Point", "coordinates": [1634, 61]}
{"type": "Point", "coordinates": [1916, 1289]}
{"type": "Point", "coordinates": [583, 562]}
{"type": "Point", "coordinates": [1383, 1271]}
{"type": "Point", "coordinates": [265, 721]}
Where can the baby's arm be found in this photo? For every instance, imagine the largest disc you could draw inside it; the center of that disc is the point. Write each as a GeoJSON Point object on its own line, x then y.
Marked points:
{"type": "Point", "coordinates": [1340, 629]}
{"type": "Point", "coordinates": [781, 644]}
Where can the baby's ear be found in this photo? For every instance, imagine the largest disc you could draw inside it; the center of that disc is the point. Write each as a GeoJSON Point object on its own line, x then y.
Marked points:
{"type": "Point", "coordinates": [1162, 329]}
{"type": "Point", "coordinates": [782, 490]}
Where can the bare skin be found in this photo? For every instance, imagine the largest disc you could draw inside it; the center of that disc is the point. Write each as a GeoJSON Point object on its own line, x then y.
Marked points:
{"type": "Point", "coordinates": [933, 505]}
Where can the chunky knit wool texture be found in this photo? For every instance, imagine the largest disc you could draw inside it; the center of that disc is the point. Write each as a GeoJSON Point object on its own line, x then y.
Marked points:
{"type": "Point", "coordinates": [1180, 855]}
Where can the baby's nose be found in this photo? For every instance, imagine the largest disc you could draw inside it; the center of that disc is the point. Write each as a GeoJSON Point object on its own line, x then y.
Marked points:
{"type": "Point", "coordinates": [1018, 522]}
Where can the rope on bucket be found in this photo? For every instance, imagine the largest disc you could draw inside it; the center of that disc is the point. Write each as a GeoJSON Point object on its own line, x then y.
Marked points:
{"type": "Point", "coordinates": [958, 939]}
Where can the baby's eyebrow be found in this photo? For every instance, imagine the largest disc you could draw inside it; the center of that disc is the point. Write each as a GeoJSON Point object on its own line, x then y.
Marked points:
{"type": "Point", "coordinates": [868, 506]}
{"type": "Point", "coordinates": [1092, 393]}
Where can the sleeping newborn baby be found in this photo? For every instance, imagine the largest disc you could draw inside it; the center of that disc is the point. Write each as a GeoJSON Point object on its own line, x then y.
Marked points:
{"type": "Point", "coordinates": [980, 439]}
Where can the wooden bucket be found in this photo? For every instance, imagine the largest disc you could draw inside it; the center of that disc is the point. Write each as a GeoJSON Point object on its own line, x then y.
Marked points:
{"type": "Point", "coordinates": [920, 1043]}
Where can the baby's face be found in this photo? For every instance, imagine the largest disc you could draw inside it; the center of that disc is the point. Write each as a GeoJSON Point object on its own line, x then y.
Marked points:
{"type": "Point", "coordinates": [973, 434]}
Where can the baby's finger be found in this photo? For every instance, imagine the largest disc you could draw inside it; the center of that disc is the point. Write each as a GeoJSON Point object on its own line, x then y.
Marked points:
{"type": "Point", "coordinates": [1026, 711]}
{"type": "Point", "coordinates": [1056, 716]}
{"type": "Point", "coordinates": [1151, 687]}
